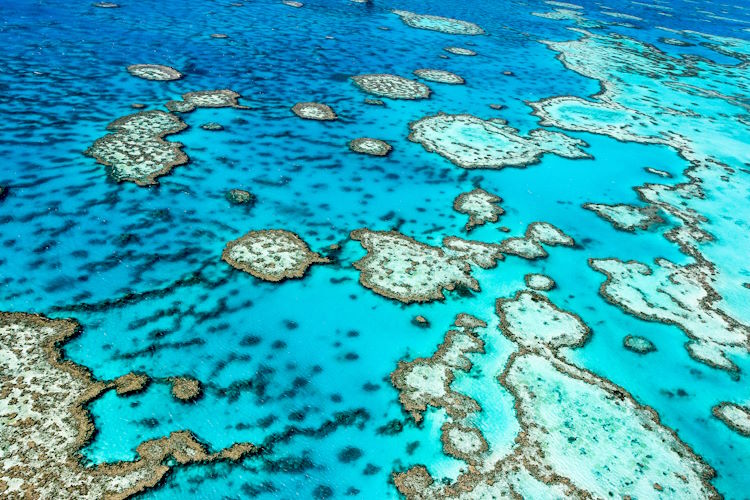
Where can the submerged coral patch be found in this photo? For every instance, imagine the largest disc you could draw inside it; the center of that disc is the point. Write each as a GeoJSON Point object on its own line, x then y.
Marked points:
{"type": "Point", "coordinates": [44, 401]}
{"type": "Point", "coordinates": [392, 86]}
{"type": "Point", "coordinates": [471, 142]}
{"type": "Point", "coordinates": [271, 255]}
{"type": "Point", "coordinates": [240, 197]}
{"type": "Point", "coordinates": [735, 416]}
{"type": "Point", "coordinates": [626, 217]}
{"type": "Point", "coordinates": [136, 150]}
{"type": "Point", "coordinates": [439, 76]}
{"type": "Point", "coordinates": [206, 99]}
{"type": "Point", "coordinates": [154, 72]}
{"type": "Point", "coordinates": [370, 146]}
{"type": "Point", "coordinates": [437, 23]}
{"type": "Point", "coordinates": [480, 206]}
{"type": "Point", "coordinates": [314, 111]}
{"type": "Point", "coordinates": [401, 268]}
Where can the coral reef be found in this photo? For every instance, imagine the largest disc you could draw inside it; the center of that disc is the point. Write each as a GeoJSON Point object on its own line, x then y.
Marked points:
{"type": "Point", "coordinates": [626, 217]}
{"type": "Point", "coordinates": [540, 282]}
{"type": "Point", "coordinates": [637, 344]}
{"type": "Point", "coordinates": [677, 295]}
{"type": "Point", "coordinates": [530, 245]}
{"type": "Point", "coordinates": [392, 86]}
{"type": "Point", "coordinates": [460, 51]}
{"type": "Point", "coordinates": [240, 197]}
{"type": "Point", "coordinates": [271, 255]}
{"type": "Point", "coordinates": [480, 206]}
{"type": "Point", "coordinates": [401, 268]}
{"type": "Point", "coordinates": [736, 417]}
{"type": "Point", "coordinates": [136, 150]}
{"type": "Point", "coordinates": [185, 389]}
{"type": "Point", "coordinates": [581, 436]}
{"type": "Point", "coordinates": [437, 23]}
{"type": "Point", "coordinates": [471, 142]}
{"type": "Point", "coordinates": [314, 111]}
{"type": "Point", "coordinates": [370, 146]}
{"type": "Point", "coordinates": [154, 72]}
{"type": "Point", "coordinates": [206, 99]}
{"type": "Point", "coordinates": [439, 76]}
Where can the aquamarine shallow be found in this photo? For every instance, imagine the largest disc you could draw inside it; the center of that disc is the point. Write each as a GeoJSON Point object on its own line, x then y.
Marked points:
{"type": "Point", "coordinates": [302, 367]}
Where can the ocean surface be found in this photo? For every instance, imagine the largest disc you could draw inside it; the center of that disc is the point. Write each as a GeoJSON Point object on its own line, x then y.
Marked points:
{"type": "Point", "coordinates": [302, 367]}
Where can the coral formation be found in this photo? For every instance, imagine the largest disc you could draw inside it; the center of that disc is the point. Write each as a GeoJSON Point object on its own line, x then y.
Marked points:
{"type": "Point", "coordinates": [677, 295]}
{"type": "Point", "coordinates": [401, 268]}
{"type": "Point", "coordinates": [154, 72]}
{"type": "Point", "coordinates": [136, 150]}
{"type": "Point", "coordinates": [471, 142]}
{"type": "Point", "coordinates": [392, 86]}
{"type": "Point", "coordinates": [460, 51]}
{"type": "Point", "coordinates": [240, 197]}
{"type": "Point", "coordinates": [271, 255]}
{"type": "Point", "coordinates": [626, 217]}
{"type": "Point", "coordinates": [314, 111]}
{"type": "Point", "coordinates": [437, 23]}
{"type": "Point", "coordinates": [370, 146]}
{"type": "Point", "coordinates": [530, 245]}
{"type": "Point", "coordinates": [439, 76]}
{"type": "Point", "coordinates": [206, 99]}
{"type": "Point", "coordinates": [186, 389]}
{"type": "Point", "coordinates": [540, 282]}
{"type": "Point", "coordinates": [480, 206]}
{"type": "Point", "coordinates": [581, 436]}
{"type": "Point", "coordinates": [638, 344]}
{"type": "Point", "coordinates": [426, 382]}
{"type": "Point", "coordinates": [736, 417]}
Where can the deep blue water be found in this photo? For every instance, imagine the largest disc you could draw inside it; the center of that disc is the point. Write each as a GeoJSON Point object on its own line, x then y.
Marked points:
{"type": "Point", "coordinates": [74, 242]}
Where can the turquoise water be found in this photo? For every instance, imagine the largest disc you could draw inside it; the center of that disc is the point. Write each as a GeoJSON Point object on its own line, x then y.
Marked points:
{"type": "Point", "coordinates": [302, 367]}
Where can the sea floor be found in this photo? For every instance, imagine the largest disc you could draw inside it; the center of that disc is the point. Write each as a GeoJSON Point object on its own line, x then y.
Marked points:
{"type": "Point", "coordinates": [528, 277]}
